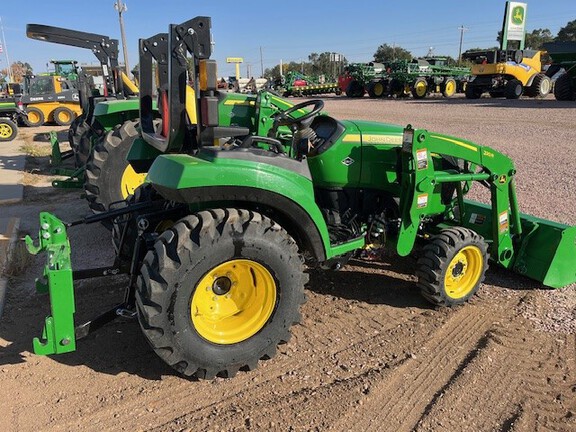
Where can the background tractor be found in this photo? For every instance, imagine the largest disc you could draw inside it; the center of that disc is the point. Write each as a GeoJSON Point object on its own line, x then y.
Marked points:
{"type": "Point", "coordinates": [10, 114]}
{"type": "Point", "coordinates": [507, 73]}
{"type": "Point", "coordinates": [52, 97]}
{"type": "Point", "coordinates": [217, 241]}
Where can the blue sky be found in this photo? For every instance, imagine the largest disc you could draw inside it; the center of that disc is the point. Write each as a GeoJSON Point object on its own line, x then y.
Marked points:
{"type": "Point", "coordinates": [289, 31]}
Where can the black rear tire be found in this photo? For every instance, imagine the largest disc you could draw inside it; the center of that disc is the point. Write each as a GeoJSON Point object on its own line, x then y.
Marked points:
{"type": "Point", "coordinates": [564, 89]}
{"type": "Point", "coordinates": [355, 89]}
{"type": "Point", "coordinates": [8, 129]}
{"type": "Point", "coordinates": [77, 128]}
{"type": "Point", "coordinates": [473, 92]}
{"type": "Point", "coordinates": [109, 177]}
{"type": "Point", "coordinates": [513, 89]}
{"type": "Point", "coordinates": [452, 266]}
{"type": "Point", "coordinates": [193, 251]}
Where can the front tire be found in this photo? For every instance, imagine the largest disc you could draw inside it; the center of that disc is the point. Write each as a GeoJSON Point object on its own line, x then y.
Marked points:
{"type": "Point", "coordinates": [8, 129]}
{"type": "Point", "coordinates": [219, 291]}
{"type": "Point", "coordinates": [452, 266]}
{"type": "Point", "coordinates": [473, 92]}
{"type": "Point", "coordinates": [449, 88]}
{"type": "Point", "coordinates": [419, 88]}
{"type": "Point", "coordinates": [355, 89]}
{"type": "Point", "coordinates": [34, 117]}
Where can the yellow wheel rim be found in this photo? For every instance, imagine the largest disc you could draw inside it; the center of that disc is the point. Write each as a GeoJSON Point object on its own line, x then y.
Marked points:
{"type": "Point", "coordinates": [130, 181]}
{"type": "Point", "coordinates": [463, 272]}
{"type": "Point", "coordinates": [378, 89]}
{"type": "Point", "coordinates": [420, 88]}
{"type": "Point", "coordinates": [33, 117]}
{"type": "Point", "coordinates": [233, 301]}
{"type": "Point", "coordinates": [450, 88]}
{"type": "Point", "coordinates": [5, 130]}
{"type": "Point", "coordinates": [64, 116]}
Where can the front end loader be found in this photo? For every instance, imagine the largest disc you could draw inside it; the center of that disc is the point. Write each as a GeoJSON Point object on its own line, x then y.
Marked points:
{"type": "Point", "coordinates": [215, 242]}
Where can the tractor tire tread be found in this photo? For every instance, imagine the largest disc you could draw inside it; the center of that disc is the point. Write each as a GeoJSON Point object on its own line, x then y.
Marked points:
{"type": "Point", "coordinates": [157, 286]}
{"type": "Point", "coordinates": [435, 257]}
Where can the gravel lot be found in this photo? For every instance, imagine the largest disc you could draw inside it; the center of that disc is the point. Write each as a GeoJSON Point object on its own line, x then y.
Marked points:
{"type": "Point", "coordinates": [370, 353]}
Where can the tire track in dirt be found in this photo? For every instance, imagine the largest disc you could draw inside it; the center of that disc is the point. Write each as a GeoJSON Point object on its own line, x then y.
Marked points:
{"type": "Point", "coordinates": [511, 368]}
{"type": "Point", "coordinates": [323, 340]}
{"type": "Point", "coordinates": [549, 393]}
{"type": "Point", "coordinates": [400, 400]}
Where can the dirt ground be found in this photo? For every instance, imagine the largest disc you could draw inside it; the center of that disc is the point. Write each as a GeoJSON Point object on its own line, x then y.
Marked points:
{"type": "Point", "coordinates": [369, 355]}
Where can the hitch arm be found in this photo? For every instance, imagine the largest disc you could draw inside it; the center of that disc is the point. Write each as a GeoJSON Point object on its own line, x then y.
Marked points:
{"type": "Point", "coordinates": [58, 333]}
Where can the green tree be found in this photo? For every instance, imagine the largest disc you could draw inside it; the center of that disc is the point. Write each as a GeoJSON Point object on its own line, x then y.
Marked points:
{"type": "Point", "coordinates": [533, 40]}
{"type": "Point", "coordinates": [537, 39]}
{"type": "Point", "coordinates": [324, 64]}
{"type": "Point", "coordinates": [18, 69]}
{"type": "Point", "coordinates": [567, 33]}
{"type": "Point", "coordinates": [386, 53]}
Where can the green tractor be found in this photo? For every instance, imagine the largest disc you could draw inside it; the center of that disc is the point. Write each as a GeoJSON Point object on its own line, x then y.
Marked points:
{"type": "Point", "coordinates": [217, 241]}
{"type": "Point", "coordinates": [10, 113]}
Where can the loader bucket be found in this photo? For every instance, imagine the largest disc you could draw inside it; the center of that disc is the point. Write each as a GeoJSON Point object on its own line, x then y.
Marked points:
{"type": "Point", "coordinates": [547, 252]}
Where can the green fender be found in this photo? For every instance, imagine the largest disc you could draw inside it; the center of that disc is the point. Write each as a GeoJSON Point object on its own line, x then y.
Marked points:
{"type": "Point", "coordinates": [215, 178]}
{"type": "Point", "coordinates": [116, 111]}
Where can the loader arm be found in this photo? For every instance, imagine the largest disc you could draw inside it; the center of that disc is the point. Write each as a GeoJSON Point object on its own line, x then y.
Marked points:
{"type": "Point", "coordinates": [540, 249]}
{"type": "Point", "coordinates": [422, 180]}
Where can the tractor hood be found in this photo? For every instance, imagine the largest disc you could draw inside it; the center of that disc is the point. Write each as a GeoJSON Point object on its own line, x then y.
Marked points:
{"type": "Point", "coordinates": [378, 133]}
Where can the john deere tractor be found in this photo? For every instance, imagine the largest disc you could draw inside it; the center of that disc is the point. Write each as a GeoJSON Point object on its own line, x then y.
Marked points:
{"type": "Point", "coordinates": [217, 241]}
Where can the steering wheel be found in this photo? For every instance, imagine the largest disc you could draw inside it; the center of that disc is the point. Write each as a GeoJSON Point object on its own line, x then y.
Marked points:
{"type": "Point", "coordinates": [283, 118]}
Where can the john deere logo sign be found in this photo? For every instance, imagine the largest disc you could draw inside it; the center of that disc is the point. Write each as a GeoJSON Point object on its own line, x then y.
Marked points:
{"type": "Point", "coordinates": [514, 22]}
{"type": "Point", "coordinates": [518, 15]}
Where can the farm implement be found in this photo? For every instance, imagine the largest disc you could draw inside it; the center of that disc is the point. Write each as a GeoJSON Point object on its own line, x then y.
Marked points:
{"type": "Point", "coordinates": [214, 242]}
{"type": "Point", "coordinates": [297, 84]}
{"type": "Point", "coordinates": [419, 77]}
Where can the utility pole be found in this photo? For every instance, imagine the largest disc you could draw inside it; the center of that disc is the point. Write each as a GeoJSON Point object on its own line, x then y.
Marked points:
{"type": "Point", "coordinates": [8, 65]}
{"type": "Point", "coordinates": [462, 30]}
{"type": "Point", "coordinates": [121, 8]}
{"type": "Point", "coordinates": [261, 64]}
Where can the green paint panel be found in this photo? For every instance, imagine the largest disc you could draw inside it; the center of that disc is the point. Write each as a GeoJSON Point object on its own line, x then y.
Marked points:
{"type": "Point", "coordinates": [185, 171]}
